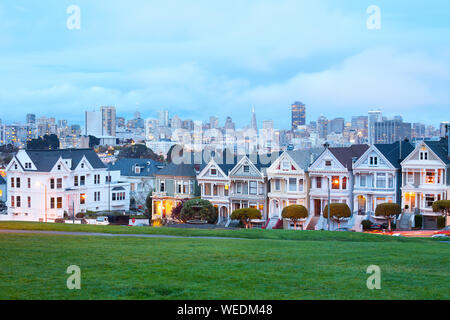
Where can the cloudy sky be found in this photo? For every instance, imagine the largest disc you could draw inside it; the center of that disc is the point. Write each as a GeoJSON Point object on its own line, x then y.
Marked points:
{"type": "Point", "coordinates": [199, 58]}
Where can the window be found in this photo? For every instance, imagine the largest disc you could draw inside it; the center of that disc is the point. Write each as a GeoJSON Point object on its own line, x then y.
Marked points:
{"type": "Point", "coordinates": [29, 202]}
{"type": "Point", "coordinates": [373, 161]}
{"type": "Point", "coordinates": [12, 182]}
{"type": "Point", "coordinates": [13, 204]}
{"type": "Point", "coordinates": [59, 167]}
{"type": "Point", "coordinates": [246, 169]}
{"type": "Point", "coordinates": [429, 199]}
{"type": "Point", "coordinates": [430, 177]}
{"type": "Point", "coordinates": [82, 180]}
{"type": "Point", "coordinates": [410, 177]}
{"type": "Point", "coordinates": [97, 179]}
{"type": "Point", "coordinates": [75, 181]}
{"type": "Point", "coordinates": [390, 182]}
{"type": "Point", "coordinates": [185, 187]}
{"type": "Point", "coordinates": [292, 184]}
{"type": "Point", "coordinates": [381, 180]}
{"type": "Point", "coordinates": [300, 185]}
{"type": "Point", "coordinates": [344, 183]}
{"type": "Point", "coordinates": [261, 188]}
{"type": "Point", "coordinates": [82, 166]}
{"type": "Point", "coordinates": [52, 203]}
{"type": "Point", "coordinates": [114, 196]}
{"type": "Point", "coordinates": [319, 182]}
{"type": "Point", "coordinates": [162, 186]}
{"type": "Point", "coordinates": [59, 203]}
{"type": "Point", "coordinates": [363, 181]}
{"type": "Point", "coordinates": [285, 165]}
{"type": "Point", "coordinates": [97, 196]}
{"type": "Point", "coordinates": [328, 163]}
{"type": "Point", "coordinates": [191, 187]}
{"type": "Point", "coordinates": [239, 187]}
{"type": "Point", "coordinates": [277, 185]}
{"type": "Point", "coordinates": [52, 183]}
{"type": "Point", "coordinates": [335, 182]}
{"type": "Point", "coordinates": [108, 179]}
{"type": "Point", "coordinates": [214, 172]}
{"type": "Point", "coordinates": [423, 155]}
{"type": "Point", "coordinates": [17, 182]}
{"type": "Point", "coordinates": [215, 190]}
{"type": "Point", "coordinates": [59, 183]}
{"type": "Point", "coordinates": [82, 198]}
{"type": "Point", "coordinates": [137, 169]}
{"type": "Point", "coordinates": [18, 201]}
{"type": "Point", "coordinates": [29, 183]}
{"type": "Point", "coordinates": [27, 165]}
{"type": "Point", "coordinates": [253, 187]}
{"type": "Point", "coordinates": [208, 189]}
{"type": "Point", "coordinates": [179, 187]}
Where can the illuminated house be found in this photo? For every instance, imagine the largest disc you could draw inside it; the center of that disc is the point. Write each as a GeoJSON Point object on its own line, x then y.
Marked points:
{"type": "Point", "coordinates": [174, 184]}
{"type": "Point", "coordinates": [2, 189]}
{"type": "Point", "coordinates": [43, 185]}
{"type": "Point", "coordinates": [333, 170]}
{"type": "Point", "coordinates": [426, 179]}
{"type": "Point", "coordinates": [377, 176]}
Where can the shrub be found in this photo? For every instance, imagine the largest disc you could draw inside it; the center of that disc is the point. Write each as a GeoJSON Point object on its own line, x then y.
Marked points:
{"type": "Point", "coordinates": [442, 206]}
{"type": "Point", "coordinates": [80, 215]}
{"type": "Point", "coordinates": [388, 210]}
{"type": "Point", "coordinates": [60, 220]}
{"type": "Point", "coordinates": [366, 224]}
{"type": "Point", "coordinates": [338, 212]}
{"type": "Point", "coordinates": [295, 213]}
{"type": "Point", "coordinates": [198, 208]}
{"type": "Point", "coordinates": [418, 221]}
{"type": "Point", "coordinates": [176, 212]}
{"type": "Point", "coordinates": [245, 215]}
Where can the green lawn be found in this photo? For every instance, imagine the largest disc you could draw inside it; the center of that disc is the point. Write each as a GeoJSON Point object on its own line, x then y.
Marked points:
{"type": "Point", "coordinates": [34, 267]}
{"type": "Point", "coordinates": [239, 233]}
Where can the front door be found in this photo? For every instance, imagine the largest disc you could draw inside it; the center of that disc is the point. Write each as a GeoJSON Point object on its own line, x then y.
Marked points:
{"type": "Point", "coordinates": [317, 207]}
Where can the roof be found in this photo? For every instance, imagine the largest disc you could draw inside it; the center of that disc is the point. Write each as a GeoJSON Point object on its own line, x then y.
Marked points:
{"type": "Point", "coordinates": [179, 170]}
{"type": "Point", "coordinates": [345, 155]}
{"type": "Point", "coordinates": [440, 148]}
{"type": "Point", "coordinates": [2, 181]}
{"type": "Point", "coordinates": [45, 160]}
{"type": "Point", "coordinates": [126, 167]}
{"type": "Point", "coordinates": [392, 151]}
{"type": "Point", "coordinates": [304, 158]}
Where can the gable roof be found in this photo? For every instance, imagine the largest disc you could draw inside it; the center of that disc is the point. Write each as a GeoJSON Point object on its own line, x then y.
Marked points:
{"type": "Point", "coordinates": [126, 167]}
{"type": "Point", "coordinates": [45, 160]}
{"type": "Point", "coordinates": [440, 148]}
{"type": "Point", "coordinates": [2, 181]}
{"type": "Point", "coordinates": [345, 155]}
{"type": "Point", "coordinates": [179, 170]}
{"type": "Point", "coordinates": [303, 157]}
{"type": "Point", "coordinates": [392, 152]}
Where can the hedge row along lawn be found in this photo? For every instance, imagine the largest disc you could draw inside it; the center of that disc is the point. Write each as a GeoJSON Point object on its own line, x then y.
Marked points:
{"type": "Point", "coordinates": [239, 233]}
{"type": "Point", "coordinates": [34, 267]}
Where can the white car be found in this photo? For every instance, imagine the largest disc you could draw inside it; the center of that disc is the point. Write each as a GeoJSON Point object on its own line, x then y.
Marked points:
{"type": "Point", "coordinates": [102, 221]}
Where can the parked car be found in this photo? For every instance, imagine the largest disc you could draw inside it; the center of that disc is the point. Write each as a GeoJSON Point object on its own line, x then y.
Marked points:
{"type": "Point", "coordinates": [445, 231]}
{"type": "Point", "coordinates": [102, 221]}
{"type": "Point", "coordinates": [378, 226]}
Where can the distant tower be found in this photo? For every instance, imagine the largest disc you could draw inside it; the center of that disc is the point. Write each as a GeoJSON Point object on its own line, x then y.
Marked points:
{"type": "Point", "coordinates": [374, 117]}
{"type": "Point", "coordinates": [254, 124]}
{"type": "Point", "coordinates": [298, 115]}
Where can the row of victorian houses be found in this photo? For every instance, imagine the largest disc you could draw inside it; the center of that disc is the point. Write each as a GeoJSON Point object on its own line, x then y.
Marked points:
{"type": "Point", "coordinates": [45, 185]}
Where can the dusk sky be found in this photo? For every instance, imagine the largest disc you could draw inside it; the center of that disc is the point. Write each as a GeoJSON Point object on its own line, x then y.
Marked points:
{"type": "Point", "coordinates": [202, 58]}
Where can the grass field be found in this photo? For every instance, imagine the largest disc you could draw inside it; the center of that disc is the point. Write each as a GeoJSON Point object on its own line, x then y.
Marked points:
{"type": "Point", "coordinates": [34, 267]}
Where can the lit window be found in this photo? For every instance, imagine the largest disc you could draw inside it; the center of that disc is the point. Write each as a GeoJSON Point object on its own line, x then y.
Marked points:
{"type": "Point", "coordinates": [335, 182]}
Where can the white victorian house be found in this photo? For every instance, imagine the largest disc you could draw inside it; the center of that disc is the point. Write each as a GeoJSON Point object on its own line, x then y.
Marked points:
{"type": "Point", "coordinates": [44, 185]}
{"type": "Point", "coordinates": [289, 182]}
{"type": "Point", "coordinates": [377, 176]}
{"type": "Point", "coordinates": [333, 171]}
{"type": "Point", "coordinates": [425, 176]}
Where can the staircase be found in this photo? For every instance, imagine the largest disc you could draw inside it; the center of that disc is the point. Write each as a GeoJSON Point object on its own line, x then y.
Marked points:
{"type": "Point", "coordinates": [279, 224]}
{"type": "Point", "coordinates": [312, 223]}
{"type": "Point", "coordinates": [405, 221]}
{"type": "Point", "coordinates": [272, 223]}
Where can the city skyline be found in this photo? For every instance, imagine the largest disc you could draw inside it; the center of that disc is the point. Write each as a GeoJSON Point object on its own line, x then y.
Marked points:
{"type": "Point", "coordinates": [338, 68]}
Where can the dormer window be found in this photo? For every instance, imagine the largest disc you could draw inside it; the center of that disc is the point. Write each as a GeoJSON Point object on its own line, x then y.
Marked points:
{"type": "Point", "coordinates": [59, 167]}
{"type": "Point", "coordinates": [285, 165]}
{"type": "Point", "coordinates": [373, 161]}
{"type": "Point", "coordinates": [137, 169]}
{"type": "Point", "coordinates": [27, 165]}
{"type": "Point", "coordinates": [246, 169]}
{"type": "Point", "coordinates": [328, 163]}
{"type": "Point", "coordinates": [82, 166]}
{"type": "Point", "coordinates": [423, 155]}
{"type": "Point", "coordinates": [214, 172]}
{"type": "Point", "coordinates": [15, 166]}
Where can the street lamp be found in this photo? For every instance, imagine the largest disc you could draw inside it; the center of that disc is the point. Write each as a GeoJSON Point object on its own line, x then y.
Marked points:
{"type": "Point", "coordinates": [326, 146]}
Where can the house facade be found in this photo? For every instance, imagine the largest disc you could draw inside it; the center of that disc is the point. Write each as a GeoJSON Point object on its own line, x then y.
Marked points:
{"type": "Point", "coordinates": [140, 174]}
{"type": "Point", "coordinates": [3, 195]}
{"type": "Point", "coordinates": [377, 176]}
{"type": "Point", "coordinates": [174, 184]}
{"type": "Point", "coordinates": [425, 176]}
{"type": "Point", "coordinates": [45, 185]}
{"type": "Point", "coordinates": [333, 170]}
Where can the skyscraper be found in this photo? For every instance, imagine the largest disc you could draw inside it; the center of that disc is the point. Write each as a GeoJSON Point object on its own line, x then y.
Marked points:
{"type": "Point", "coordinates": [390, 131]}
{"type": "Point", "coordinates": [374, 116]}
{"type": "Point", "coordinates": [322, 127]}
{"type": "Point", "coordinates": [163, 118]}
{"type": "Point", "coordinates": [229, 124]}
{"type": "Point", "coordinates": [298, 114]}
{"type": "Point", "coordinates": [254, 124]}
{"type": "Point", "coordinates": [31, 118]}
{"type": "Point", "coordinates": [109, 121]}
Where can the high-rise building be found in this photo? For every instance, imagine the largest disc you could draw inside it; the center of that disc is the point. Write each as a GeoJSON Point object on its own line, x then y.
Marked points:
{"type": "Point", "coordinates": [390, 131]}
{"type": "Point", "coordinates": [109, 121]}
{"type": "Point", "coordinates": [443, 128]}
{"type": "Point", "coordinates": [298, 114]}
{"type": "Point", "coordinates": [93, 124]}
{"type": "Point", "coordinates": [418, 130]}
{"type": "Point", "coordinates": [374, 117]}
{"type": "Point", "coordinates": [322, 127]}
{"type": "Point", "coordinates": [254, 124]}
{"type": "Point", "coordinates": [31, 118]}
{"type": "Point", "coordinates": [336, 126]}
{"type": "Point", "coordinates": [229, 124]}
{"type": "Point", "coordinates": [163, 118]}
{"type": "Point", "coordinates": [213, 122]}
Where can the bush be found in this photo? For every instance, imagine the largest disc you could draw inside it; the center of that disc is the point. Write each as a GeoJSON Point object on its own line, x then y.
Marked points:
{"type": "Point", "coordinates": [338, 212]}
{"type": "Point", "coordinates": [176, 212]}
{"type": "Point", "coordinates": [388, 210]}
{"type": "Point", "coordinates": [442, 206]}
{"type": "Point", "coordinates": [441, 222]}
{"type": "Point", "coordinates": [198, 208]}
{"type": "Point", "coordinates": [80, 215]}
{"type": "Point", "coordinates": [60, 220]}
{"type": "Point", "coordinates": [295, 213]}
{"type": "Point", "coordinates": [366, 224]}
{"type": "Point", "coordinates": [418, 221]}
{"type": "Point", "coordinates": [245, 215]}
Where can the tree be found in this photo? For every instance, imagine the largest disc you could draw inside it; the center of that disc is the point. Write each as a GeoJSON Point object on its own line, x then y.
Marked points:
{"type": "Point", "coordinates": [442, 206]}
{"type": "Point", "coordinates": [93, 141]}
{"type": "Point", "coordinates": [388, 210]}
{"type": "Point", "coordinates": [338, 212]}
{"type": "Point", "coordinates": [198, 209]}
{"type": "Point", "coordinates": [47, 142]}
{"type": "Point", "coordinates": [176, 212]}
{"type": "Point", "coordinates": [294, 213]}
{"type": "Point", "coordinates": [138, 151]}
{"type": "Point", "coordinates": [245, 215]}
